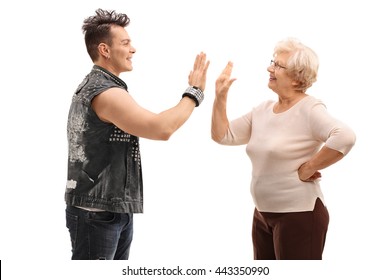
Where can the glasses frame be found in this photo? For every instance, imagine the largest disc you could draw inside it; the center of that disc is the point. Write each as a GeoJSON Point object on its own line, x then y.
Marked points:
{"type": "Point", "coordinates": [276, 65]}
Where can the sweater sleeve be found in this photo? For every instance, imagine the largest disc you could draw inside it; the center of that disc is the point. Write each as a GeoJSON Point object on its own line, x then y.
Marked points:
{"type": "Point", "coordinates": [335, 134]}
{"type": "Point", "coordinates": [239, 131]}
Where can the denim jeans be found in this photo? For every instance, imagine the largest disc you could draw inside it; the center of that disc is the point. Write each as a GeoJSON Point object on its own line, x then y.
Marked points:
{"type": "Point", "coordinates": [99, 235]}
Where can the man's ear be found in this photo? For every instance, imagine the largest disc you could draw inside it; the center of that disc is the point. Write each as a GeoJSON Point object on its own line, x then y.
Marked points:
{"type": "Point", "coordinates": [104, 50]}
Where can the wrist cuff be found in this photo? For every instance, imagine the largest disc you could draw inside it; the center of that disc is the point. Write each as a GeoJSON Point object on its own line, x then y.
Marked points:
{"type": "Point", "coordinates": [195, 94]}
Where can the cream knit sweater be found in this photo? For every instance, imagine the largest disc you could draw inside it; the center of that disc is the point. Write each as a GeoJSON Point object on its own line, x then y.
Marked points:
{"type": "Point", "coordinates": [278, 144]}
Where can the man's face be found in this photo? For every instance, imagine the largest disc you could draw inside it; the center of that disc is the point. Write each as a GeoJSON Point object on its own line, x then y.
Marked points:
{"type": "Point", "coordinates": [121, 51]}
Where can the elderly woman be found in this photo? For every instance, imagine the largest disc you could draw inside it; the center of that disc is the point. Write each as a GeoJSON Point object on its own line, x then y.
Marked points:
{"type": "Point", "coordinates": [288, 141]}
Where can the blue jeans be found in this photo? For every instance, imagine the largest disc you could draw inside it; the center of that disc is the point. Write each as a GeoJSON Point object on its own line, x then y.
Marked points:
{"type": "Point", "coordinates": [99, 235]}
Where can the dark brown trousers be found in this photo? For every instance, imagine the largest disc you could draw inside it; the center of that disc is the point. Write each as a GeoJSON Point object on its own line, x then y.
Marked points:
{"type": "Point", "coordinates": [290, 236]}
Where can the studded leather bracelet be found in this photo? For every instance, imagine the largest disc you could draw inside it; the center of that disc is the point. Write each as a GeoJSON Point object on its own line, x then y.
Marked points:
{"type": "Point", "coordinates": [195, 94]}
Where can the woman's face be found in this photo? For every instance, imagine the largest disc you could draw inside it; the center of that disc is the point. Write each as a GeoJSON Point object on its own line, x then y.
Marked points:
{"type": "Point", "coordinates": [279, 81]}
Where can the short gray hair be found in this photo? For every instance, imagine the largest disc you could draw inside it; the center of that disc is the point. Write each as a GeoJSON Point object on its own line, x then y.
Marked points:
{"type": "Point", "coordinates": [303, 63]}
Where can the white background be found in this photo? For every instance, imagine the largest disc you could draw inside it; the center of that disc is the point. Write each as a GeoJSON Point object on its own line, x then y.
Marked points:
{"type": "Point", "coordinates": [198, 209]}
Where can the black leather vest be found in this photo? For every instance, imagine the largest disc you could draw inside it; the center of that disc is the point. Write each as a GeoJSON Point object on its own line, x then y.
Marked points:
{"type": "Point", "coordinates": [104, 162]}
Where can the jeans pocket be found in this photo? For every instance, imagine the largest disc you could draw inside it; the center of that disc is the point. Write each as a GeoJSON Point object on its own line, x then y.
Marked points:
{"type": "Point", "coordinates": [72, 225]}
{"type": "Point", "coordinates": [101, 217]}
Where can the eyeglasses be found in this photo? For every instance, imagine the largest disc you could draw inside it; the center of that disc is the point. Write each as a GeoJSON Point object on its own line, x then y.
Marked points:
{"type": "Point", "coordinates": [276, 65]}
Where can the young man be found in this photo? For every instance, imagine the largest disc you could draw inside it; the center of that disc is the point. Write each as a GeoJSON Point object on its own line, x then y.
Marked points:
{"type": "Point", "coordinates": [104, 186]}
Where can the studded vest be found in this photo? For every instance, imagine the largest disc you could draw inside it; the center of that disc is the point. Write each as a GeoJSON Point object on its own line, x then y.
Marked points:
{"type": "Point", "coordinates": [104, 162]}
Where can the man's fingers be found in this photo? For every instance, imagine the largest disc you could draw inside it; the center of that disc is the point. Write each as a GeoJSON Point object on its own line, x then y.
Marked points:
{"type": "Point", "coordinates": [199, 60]}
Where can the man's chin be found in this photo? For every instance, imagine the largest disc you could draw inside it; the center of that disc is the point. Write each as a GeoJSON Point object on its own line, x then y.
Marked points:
{"type": "Point", "coordinates": [127, 69]}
